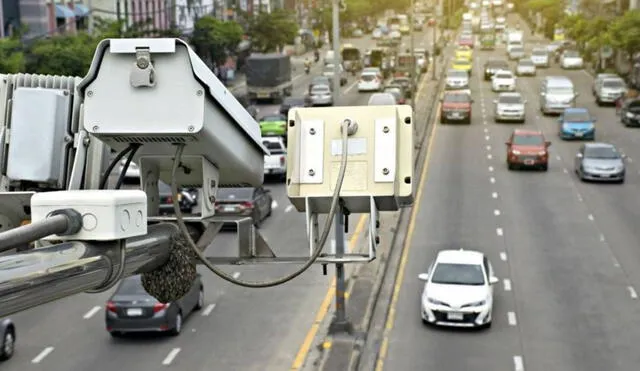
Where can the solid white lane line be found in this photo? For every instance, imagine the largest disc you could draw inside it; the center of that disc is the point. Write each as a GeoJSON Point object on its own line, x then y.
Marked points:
{"type": "Point", "coordinates": [632, 292]}
{"type": "Point", "coordinates": [518, 364]}
{"type": "Point", "coordinates": [91, 312]}
{"type": "Point", "coordinates": [492, 180]}
{"type": "Point", "coordinates": [490, 168]}
{"type": "Point", "coordinates": [496, 212]}
{"type": "Point", "coordinates": [486, 130]}
{"type": "Point", "coordinates": [288, 208]}
{"type": "Point", "coordinates": [207, 311]}
{"type": "Point", "coordinates": [507, 284]}
{"type": "Point", "coordinates": [580, 197]}
{"type": "Point", "coordinates": [499, 232]}
{"type": "Point", "coordinates": [489, 156]}
{"type": "Point", "coordinates": [486, 137]}
{"type": "Point", "coordinates": [511, 317]}
{"type": "Point", "coordinates": [503, 256]}
{"type": "Point", "coordinates": [602, 237]}
{"type": "Point", "coordinates": [274, 204]}
{"type": "Point", "coordinates": [45, 352]}
{"type": "Point", "coordinates": [565, 171]}
{"type": "Point", "coordinates": [236, 275]}
{"type": "Point", "coordinates": [558, 158]}
{"type": "Point", "coordinates": [615, 263]}
{"type": "Point", "coordinates": [590, 216]}
{"type": "Point", "coordinates": [629, 159]}
{"type": "Point", "coordinates": [350, 87]}
{"type": "Point", "coordinates": [494, 195]}
{"type": "Point", "coordinates": [171, 356]}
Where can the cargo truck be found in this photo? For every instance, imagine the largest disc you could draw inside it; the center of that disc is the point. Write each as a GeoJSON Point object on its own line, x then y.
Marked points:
{"type": "Point", "coordinates": [269, 77]}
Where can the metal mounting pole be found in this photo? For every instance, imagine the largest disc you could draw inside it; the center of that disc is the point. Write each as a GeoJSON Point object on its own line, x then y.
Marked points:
{"type": "Point", "coordinates": [90, 17]}
{"type": "Point", "coordinates": [336, 51]}
{"type": "Point", "coordinates": [340, 323]}
{"type": "Point", "coordinates": [433, 51]}
{"type": "Point", "coordinates": [413, 57]}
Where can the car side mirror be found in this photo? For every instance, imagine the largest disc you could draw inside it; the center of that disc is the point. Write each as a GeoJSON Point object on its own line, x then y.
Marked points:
{"type": "Point", "coordinates": [547, 144]}
{"type": "Point", "coordinates": [579, 155]}
{"type": "Point", "coordinates": [423, 276]}
{"type": "Point", "coordinates": [493, 280]}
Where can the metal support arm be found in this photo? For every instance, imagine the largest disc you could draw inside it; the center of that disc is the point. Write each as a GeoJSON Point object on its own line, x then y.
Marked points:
{"type": "Point", "coordinates": [45, 274]}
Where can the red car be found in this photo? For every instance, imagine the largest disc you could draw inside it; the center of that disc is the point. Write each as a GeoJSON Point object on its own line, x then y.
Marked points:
{"type": "Point", "coordinates": [456, 106]}
{"type": "Point", "coordinates": [527, 149]}
{"type": "Point", "coordinates": [465, 41]}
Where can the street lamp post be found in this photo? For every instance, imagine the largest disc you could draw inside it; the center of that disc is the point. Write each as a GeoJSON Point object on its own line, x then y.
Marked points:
{"type": "Point", "coordinates": [336, 51]}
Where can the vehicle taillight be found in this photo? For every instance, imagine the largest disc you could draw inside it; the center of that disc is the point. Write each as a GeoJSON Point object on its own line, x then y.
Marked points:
{"type": "Point", "coordinates": [282, 160]}
{"type": "Point", "coordinates": [247, 205]}
{"type": "Point", "coordinates": [157, 307]}
{"type": "Point", "coordinates": [111, 307]}
{"type": "Point", "coordinates": [169, 199]}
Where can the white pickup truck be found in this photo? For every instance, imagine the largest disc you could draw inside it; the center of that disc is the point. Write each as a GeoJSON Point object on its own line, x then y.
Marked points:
{"type": "Point", "coordinates": [275, 164]}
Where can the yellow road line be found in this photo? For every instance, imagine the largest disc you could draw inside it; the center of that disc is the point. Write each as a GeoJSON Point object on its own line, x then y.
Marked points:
{"type": "Point", "coordinates": [301, 356]}
{"type": "Point", "coordinates": [407, 246]}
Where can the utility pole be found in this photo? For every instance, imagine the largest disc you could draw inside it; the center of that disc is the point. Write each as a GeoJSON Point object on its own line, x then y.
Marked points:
{"type": "Point", "coordinates": [90, 17]}
{"type": "Point", "coordinates": [340, 323]}
{"type": "Point", "coordinates": [413, 76]}
{"type": "Point", "coordinates": [438, 19]}
{"type": "Point", "coordinates": [336, 52]}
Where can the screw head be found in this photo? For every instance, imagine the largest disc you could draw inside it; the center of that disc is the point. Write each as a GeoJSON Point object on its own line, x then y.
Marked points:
{"type": "Point", "coordinates": [312, 131]}
{"type": "Point", "coordinates": [191, 128]}
{"type": "Point", "coordinates": [385, 129]}
{"type": "Point", "coordinates": [95, 128]}
{"type": "Point", "coordinates": [311, 172]}
{"type": "Point", "coordinates": [89, 93]}
{"type": "Point", "coordinates": [199, 93]}
{"type": "Point", "coordinates": [385, 171]}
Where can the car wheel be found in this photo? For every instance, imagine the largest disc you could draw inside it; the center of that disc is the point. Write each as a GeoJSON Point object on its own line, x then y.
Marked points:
{"type": "Point", "coordinates": [510, 166]}
{"type": "Point", "coordinates": [256, 219]}
{"type": "Point", "coordinates": [200, 303]}
{"type": "Point", "coordinates": [487, 325]}
{"type": "Point", "coordinates": [544, 167]}
{"type": "Point", "coordinates": [8, 344]}
{"type": "Point", "coordinates": [177, 329]}
{"type": "Point", "coordinates": [621, 181]}
{"type": "Point", "coordinates": [116, 334]}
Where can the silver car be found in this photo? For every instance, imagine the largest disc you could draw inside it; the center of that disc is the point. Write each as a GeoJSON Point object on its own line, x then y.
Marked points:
{"type": "Point", "coordinates": [457, 79]}
{"type": "Point", "coordinates": [382, 99]}
{"type": "Point", "coordinates": [510, 107]}
{"type": "Point", "coordinates": [321, 96]}
{"type": "Point", "coordinates": [516, 53]}
{"type": "Point", "coordinates": [525, 67]}
{"type": "Point", "coordinates": [600, 162]}
{"type": "Point", "coordinates": [609, 90]}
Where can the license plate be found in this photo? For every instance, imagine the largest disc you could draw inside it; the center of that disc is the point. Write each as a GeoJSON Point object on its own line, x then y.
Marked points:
{"type": "Point", "coordinates": [578, 134]}
{"type": "Point", "coordinates": [456, 115]}
{"type": "Point", "coordinates": [529, 162]}
{"type": "Point", "coordinates": [134, 312]}
{"type": "Point", "coordinates": [455, 316]}
{"type": "Point", "coordinates": [229, 208]}
{"type": "Point", "coordinates": [264, 95]}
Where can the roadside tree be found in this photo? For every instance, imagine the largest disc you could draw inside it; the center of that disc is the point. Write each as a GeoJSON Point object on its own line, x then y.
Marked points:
{"type": "Point", "coordinates": [61, 55]}
{"type": "Point", "coordinates": [552, 12]}
{"type": "Point", "coordinates": [270, 32]}
{"type": "Point", "coordinates": [625, 33]}
{"type": "Point", "coordinates": [214, 40]}
{"type": "Point", "coordinates": [12, 59]}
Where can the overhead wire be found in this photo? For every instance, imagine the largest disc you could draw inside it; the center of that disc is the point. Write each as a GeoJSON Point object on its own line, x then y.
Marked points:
{"type": "Point", "coordinates": [320, 243]}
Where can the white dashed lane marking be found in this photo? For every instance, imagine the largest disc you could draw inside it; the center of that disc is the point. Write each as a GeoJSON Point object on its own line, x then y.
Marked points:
{"type": "Point", "coordinates": [632, 292]}
{"type": "Point", "coordinates": [274, 204]}
{"type": "Point", "coordinates": [496, 212]}
{"type": "Point", "coordinates": [207, 311]}
{"type": "Point", "coordinates": [590, 216]}
{"type": "Point", "coordinates": [507, 284]}
{"type": "Point", "coordinates": [486, 137]}
{"type": "Point", "coordinates": [499, 232]}
{"type": "Point", "coordinates": [91, 312]}
{"type": "Point", "coordinates": [236, 275]}
{"type": "Point", "coordinates": [518, 364]}
{"type": "Point", "coordinates": [488, 148]}
{"type": "Point", "coordinates": [171, 356]}
{"type": "Point", "coordinates": [511, 317]}
{"type": "Point", "coordinates": [558, 158]}
{"type": "Point", "coordinates": [492, 180]}
{"type": "Point", "coordinates": [42, 355]}
{"type": "Point", "coordinates": [580, 197]}
{"type": "Point", "coordinates": [489, 156]}
{"type": "Point", "coordinates": [565, 171]}
{"type": "Point", "coordinates": [486, 130]}
{"type": "Point", "coordinates": [494, 195]}
{"type": "Point", "coordinates": [288, 208]}
{"type": "Point", "coordinates": [503, 256]}
{"type": "Point", "coordinates": [490, 168]}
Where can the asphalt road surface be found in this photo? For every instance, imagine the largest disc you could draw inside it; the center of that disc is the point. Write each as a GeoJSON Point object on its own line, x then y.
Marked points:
{"type": "Point", "coordinates": [238, 329]}
{"type": "Point", "coordinates": [566, 252]}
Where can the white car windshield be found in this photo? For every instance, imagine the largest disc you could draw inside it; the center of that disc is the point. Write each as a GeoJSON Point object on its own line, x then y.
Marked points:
{"type": "Point", "coordinates": [457, 74]}
{"type": "Point", "coordinates": [517, 50]}
{"type": "Point", "coordinates": [577, 117]}
{"type": "Point", "coordinates": [571, 54]}
{"type": "Point", "coordinates": [539, 53]}
{"type": "Point", "coordinates": [320, 90]}
{"type": "Point", "coordinates": [368, 77]}
{"type": "Point", "coordinates": [510, 99]}
{"type": "Point", "coordinates": [608, 153]}
{"type": "Point", "coordinates": [613, 84]}
{"type": "Point", "coordinates": [526, 63]}
{"type": "Point", "coordinates": [503, 76]}
{"type": "Point", "coordinates": [458, 274]}
{"type": "Point", "coordinates": [560, 91]}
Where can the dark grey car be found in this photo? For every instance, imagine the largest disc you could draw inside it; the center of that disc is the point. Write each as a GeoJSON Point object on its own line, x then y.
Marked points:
{"type": "Point", "coordinates": [131, 309]}
{"type": "Point", "coordinates": [600, 162]}
{"type": "Point", "coordinates": [8, 339]}
{"type": "Point", "coordinates": [252, 202]}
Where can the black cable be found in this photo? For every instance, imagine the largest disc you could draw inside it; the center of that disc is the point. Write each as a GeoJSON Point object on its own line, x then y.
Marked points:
{"type": "Point", "coordinates": [134, 148]}
{"type": "Point", "coordinates": [114, 162]}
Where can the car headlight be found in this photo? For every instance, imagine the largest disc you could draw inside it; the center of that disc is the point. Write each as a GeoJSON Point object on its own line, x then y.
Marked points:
{"type": "Point", "coordinates": [630, 115]}
{"type": "Point", "coordinates": [436, 302]}
{"type": "Point", "coordinates": [516, 152]}
{"type": "Point", "coordinates": [620, 168]}
{"type": "Point", "coordinates": [478, 303]}
{"type": "Point", "coordinates": [542, 153]}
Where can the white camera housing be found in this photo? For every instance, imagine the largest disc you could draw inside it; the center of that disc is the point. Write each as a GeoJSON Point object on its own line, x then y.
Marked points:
{"type": "Point", "coordinates": [380, 157]}
{"type": "Point", "coordinates": [107, 215]}
{"type": "Point", "coordinates": [158, 93]}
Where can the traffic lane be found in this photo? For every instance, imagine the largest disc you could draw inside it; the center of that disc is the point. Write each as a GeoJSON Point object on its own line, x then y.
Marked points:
{"type": "Point", "coordinates": [614, 207]}
{"type": "Point", "coordinates": [456, 211]}
{"type": "Point", "coordinates": [564, 284]}
{"type": "Point", "coordinates": [283, 313]}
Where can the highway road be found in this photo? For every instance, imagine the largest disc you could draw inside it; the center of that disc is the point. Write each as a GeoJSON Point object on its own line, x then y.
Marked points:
{"type": "Point", "coordinates": [238, 329]}
{"type": "Point", "coordinates": [565, 251]}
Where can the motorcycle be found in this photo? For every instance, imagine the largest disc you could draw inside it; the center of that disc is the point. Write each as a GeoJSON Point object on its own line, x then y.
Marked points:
{"type": "Point", "coordinates": [307, 69]}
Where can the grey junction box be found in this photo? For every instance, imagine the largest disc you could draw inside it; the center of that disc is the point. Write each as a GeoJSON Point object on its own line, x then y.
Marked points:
{"type": "Point", "coordinates": [39, 119]}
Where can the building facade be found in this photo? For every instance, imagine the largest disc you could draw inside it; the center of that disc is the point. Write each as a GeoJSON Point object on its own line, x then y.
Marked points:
{"type": "Point", "coordinates": [187, 12]}
{"type": "Point", "coordinates": [158, 13]}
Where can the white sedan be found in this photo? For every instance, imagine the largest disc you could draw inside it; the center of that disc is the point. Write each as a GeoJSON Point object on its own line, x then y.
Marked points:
{"type": "Point", "coordinates": [458, 290]}
{"type": "Point", "coordinates": [369, 81]}
{"type": "Point", "coordinates": [571, 59]}
{"type": "Point", "coordinates": [503, 81]}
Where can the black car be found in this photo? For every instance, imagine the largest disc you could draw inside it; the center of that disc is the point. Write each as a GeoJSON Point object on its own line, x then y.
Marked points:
{"type": "Point", "coordinates": [405, 82]}
{"type": "Point", "coordinates": [404, 93]}
{"type": "Point", "coordinates": [630, 112]}
{"type": "Point", "coordinates": [8, 339]}
{"type": "Point", "coordinates": [493, 66]}
{"type": "Point", "coordinates": [291, 102]}
{"type": "Point", "coordinates": [132, 309]}
{"type": "Point", "coordinates": [252, 202]}
{"type": "Point", "coordinates": [186, 199]}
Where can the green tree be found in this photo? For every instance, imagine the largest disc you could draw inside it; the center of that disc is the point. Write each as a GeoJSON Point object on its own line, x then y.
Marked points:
{"type": "Point", "coordinates": [12, 59]}
{"type": "Point", "coordinates": [625, 33]}
{"type": "Point", "coordinates": [272, 31]}
{"type": "Point", "coordinates": [214, 40]}
{"type": "Point", "coordinates": [552, 12]}
{"type": "Point", "coordinates": [61, 55]}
